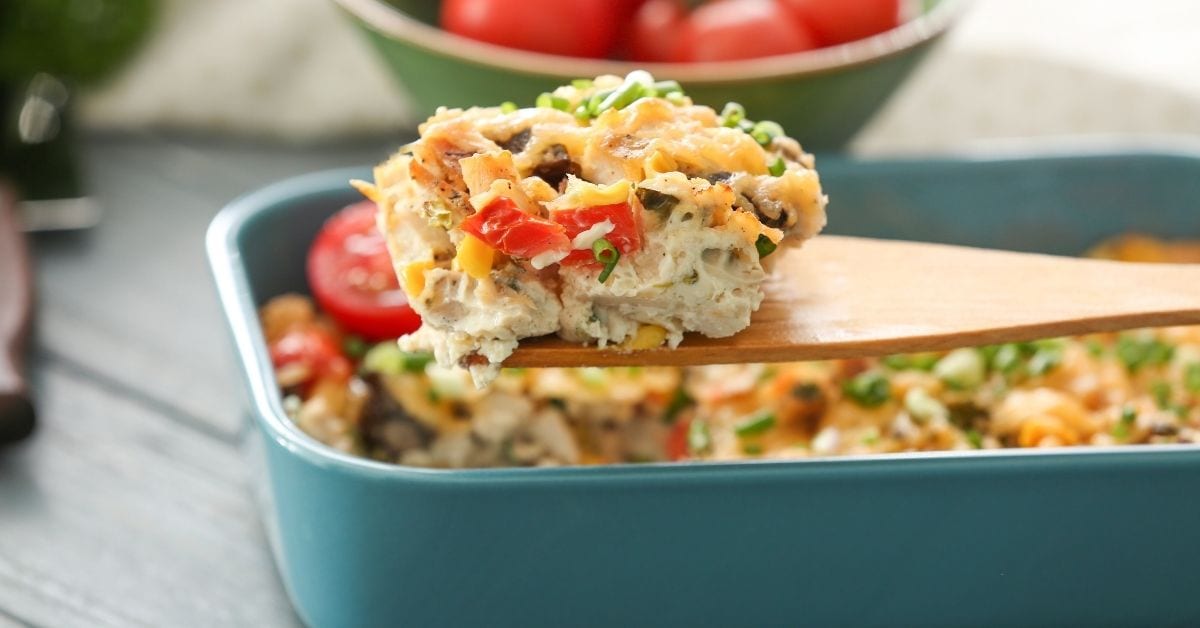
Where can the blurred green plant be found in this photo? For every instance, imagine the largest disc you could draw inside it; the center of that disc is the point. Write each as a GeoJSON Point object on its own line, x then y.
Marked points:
{"type": "Point", "coordinates": [80, 40]}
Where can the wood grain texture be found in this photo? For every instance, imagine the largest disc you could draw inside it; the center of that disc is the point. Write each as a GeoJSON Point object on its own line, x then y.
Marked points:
{"type": "Point", "coordinates": [849, 297]}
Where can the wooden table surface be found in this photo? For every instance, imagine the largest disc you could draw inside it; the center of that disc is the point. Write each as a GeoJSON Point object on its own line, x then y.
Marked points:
{"type": "Point", "coordinates": [132, 505]}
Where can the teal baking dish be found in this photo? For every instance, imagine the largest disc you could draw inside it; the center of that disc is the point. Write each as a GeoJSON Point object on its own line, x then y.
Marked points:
{"type": "Point", "coordinates": [1086, 537]}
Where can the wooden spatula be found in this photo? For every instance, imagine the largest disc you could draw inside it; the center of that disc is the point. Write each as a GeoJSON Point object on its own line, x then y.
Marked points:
{"type": "Point", "coordinates": [843, 297]}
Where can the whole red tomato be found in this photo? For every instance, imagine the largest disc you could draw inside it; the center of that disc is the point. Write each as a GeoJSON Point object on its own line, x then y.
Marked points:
{"type": "Point", "coordinates": [654, 31]}
{"type": "Point", "coordinates": [728, 30]}
{"type": "Point", "coordinates": [351, 276]}
{"type": "Point", "coordinates": [841, 21]}
{"type": "Point", "coordinates": [575, 28]}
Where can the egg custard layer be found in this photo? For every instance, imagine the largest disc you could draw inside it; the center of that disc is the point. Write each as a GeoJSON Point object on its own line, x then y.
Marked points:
{"type": "Point", "coordinates": [615, 212]}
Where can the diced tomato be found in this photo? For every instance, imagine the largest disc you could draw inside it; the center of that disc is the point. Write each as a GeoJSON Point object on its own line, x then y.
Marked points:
{"type": "Point", "coordinates": [351, 276]}
{"type": "Point", "coordinates": [315, 350]}
{"type": "Point", "coordinates": [504, 227]}
{"type": "Point", "coordinates": [626, 234]}
{"type": "Point", "coordinates": [676, 445]}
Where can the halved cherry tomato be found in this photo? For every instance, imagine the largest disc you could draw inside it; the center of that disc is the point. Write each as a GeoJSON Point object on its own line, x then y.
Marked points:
{"type": "Point", "coordinates": [676, 445]}
{"type": "Point", "coordinates": [727, 30]}
{"type": "Point", "coordinates": [654, 31]}
{"type": "Point", "coordinates": [351, 276]}
{"type": "Point", "coordinates": [840, 21]}
{"type": "Point", "coordinates": [315, 350]}
{"type": "Point", "coordinates": [626, 234]}
{"type": "Point", "coordinates": [576, 28]}
{"type": "Point", "coordinates": [504, 227]}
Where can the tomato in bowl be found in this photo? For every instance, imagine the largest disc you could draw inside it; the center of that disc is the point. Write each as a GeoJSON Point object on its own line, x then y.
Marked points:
{"type": "Point", "coordinates": [824, 94]}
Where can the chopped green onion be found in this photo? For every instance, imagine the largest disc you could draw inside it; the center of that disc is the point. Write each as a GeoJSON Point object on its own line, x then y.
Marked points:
{"type": "Point", "coordinates": [354, 347]}
{"type": "Point", "coordinates": [1161, 391]}
{"type": "Point", "coordinates": [732, 115]}
{"type": "Point", "coordinates": [1007, 358]}
{"type": "Point", "coordinates": [871, 438]}
{"type": "Point", "coordinates": [637, 83]}
{"type": "Point", "coordinates": [975, 438]}
{"type": "Point", "coordinates": [752, 449]}
{"type": "Point", "coordinates": [699, 439]}
{"type": "Point", "coordinates": [961, 369]}
{"type": "Point", "coordinates": [1095, 348]}
{"type": "Point", "coordinates": [663, 88]}
{"type": "Point", "coordinates": [869, 389]}
{"type": "Point", "coordinates": [679, 401]}
{"type": "Point", "coordinates": [1046, 357]}
{"type": "Point", "coordinates": [777, 167]}
{"type": "Point", "coordinates": [755, 425]}
{"type": "Point", "coordinates": [606, 254]}
{"type": "Point", "coordinates": [1128, 415]}
{"type": "Point", "coordinates": [581, 83]}
{"type": "Point", "coordinates": [676, 98]}
{"type": "Point", "coordinates": [388, 359]}
{"type": "Point", "coordinates": [1121, 429]}
{"type": "Point", "coordinates": [508, 106]}
{"type": "Point", "coordinates": [546, 100]}
{"type": "Point", "coordinates": [1136, 352]}
{"type": "Point", "coordinates": [918, 361]}
{"type": "Point", "coordinates": [745, 125]}
{"type": "Point", "coordinates": [581, 113]}
{"type": "Point", "coordinates": [765, 132]}
{"type": "Point", "coordinates": [764, 245]}
{"type": "Point", "coordinates": [1191, 378]}
{"type": "Point", "coordinates": [923, 407]}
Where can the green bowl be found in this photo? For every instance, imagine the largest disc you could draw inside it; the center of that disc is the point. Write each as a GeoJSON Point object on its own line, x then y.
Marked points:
{"type": "Point", "coordinates": [821, 97]}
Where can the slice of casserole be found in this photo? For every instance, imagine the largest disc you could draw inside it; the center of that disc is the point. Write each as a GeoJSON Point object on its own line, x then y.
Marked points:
{"type": "Point", "coordinates": [614, 211]}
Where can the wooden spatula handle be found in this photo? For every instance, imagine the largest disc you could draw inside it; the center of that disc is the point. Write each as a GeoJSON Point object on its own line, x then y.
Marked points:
{"type": "Point", "coordinates": [16, 293]}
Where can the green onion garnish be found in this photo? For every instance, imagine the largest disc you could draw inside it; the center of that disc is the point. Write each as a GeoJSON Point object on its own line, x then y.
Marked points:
{"type": "Point", "coordinates": [550, 101]}
{"type": "Point", "coordinates": [869, 389]}
{"type": "Point", "coordinates": [1191, 378]}
{"type": "Point", "coordinates": [732, 114]}
{"type": "Point", "coordinates": [1007, 358]}
{"type": "Point", "coordinates": [508, 106]}
{"type": "Point", "coordinates": [1095, 348]}
{"type": "Point", "coordinates": [961, 369]}
{"type": "Point", "coordinates": [581, 83]}
{"type": "Point", "coordinates": [388, 359]}
{"type": "Point", "coordinates": [777, 167]}
{"type": "Point", "coordinates": [766, 131]}
{"type": "Point", "coordinates": [752, 449]}
{"type": "Point", "coordinates": [665, 88]}
{"type": "Point", "coordinates": [699, 439]}
{"type": "Point", "coordinates": [679, 401]}
{"type": "Point", "coordinates": [1137, 352]}
{"type": "Point", "coordinates": [1161, 391]}
{"type": "Point", "coordinates": [764, 245]}
{"type": "Point", "coordinates": [606, 254]}
{"type": "Point", "coordinates": [1128, 415]}
{"type": "Point", "coordinates": [755, 425]}
{"type": "Point", "coordinates": [975, 438]}
{"type": "Point", "coordinates": [1046, 357]}
{"type": "Point", "coordinates": [923, 407]}
{"type": "Point", "coordinates": [354, 347]}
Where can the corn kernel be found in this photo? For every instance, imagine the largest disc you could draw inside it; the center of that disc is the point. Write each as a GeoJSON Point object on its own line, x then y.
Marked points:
{"type": "Point", "coordinates": [414, 278]}
{"type": "Point", "coordinates": [475, 257]}
{"type": "Point", "coordinates": [647, 337]}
